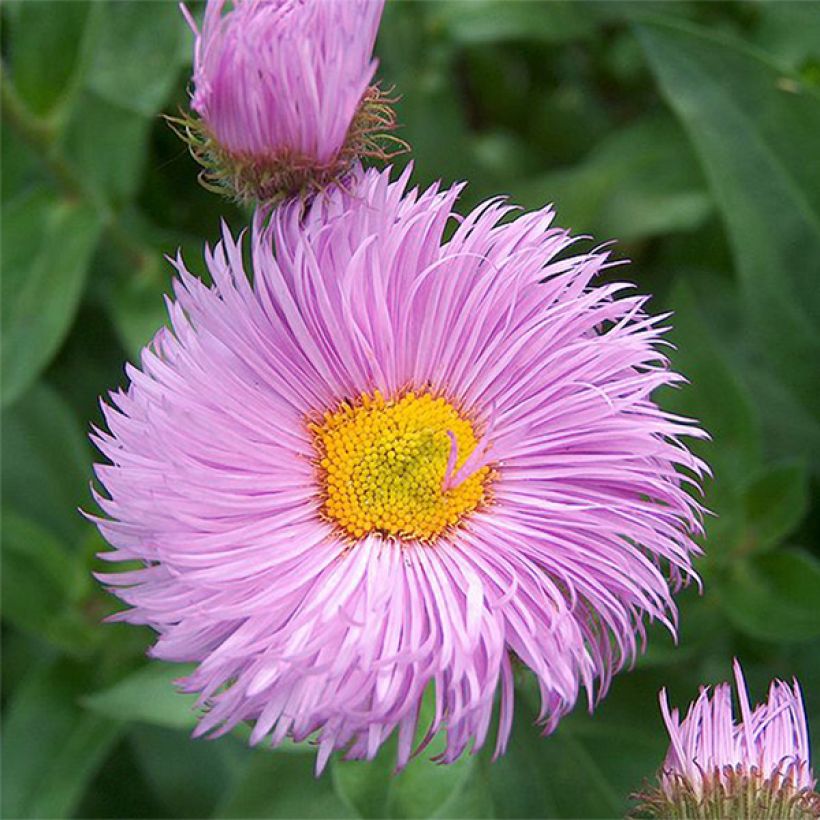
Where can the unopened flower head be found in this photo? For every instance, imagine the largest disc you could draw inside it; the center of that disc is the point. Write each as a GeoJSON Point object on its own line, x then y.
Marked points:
{"type": "Point", "coordinates": [284, 96]}
{"type": "Point", "coordinates": [390, 463]}
{"type": "Point", "coordinates": [717, 767]}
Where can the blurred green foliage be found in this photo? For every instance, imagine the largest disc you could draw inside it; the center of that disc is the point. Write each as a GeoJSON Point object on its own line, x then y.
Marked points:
{"type": "Point", "coordinates": [690, 132]}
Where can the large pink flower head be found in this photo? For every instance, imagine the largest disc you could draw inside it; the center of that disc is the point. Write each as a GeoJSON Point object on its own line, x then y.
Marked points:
{"type": "Point", "coordinates": [389, 462]}
{"type": "Point", "coordinates": [284, 94]}
{"type": "Point", "coordinates": [718, 767]}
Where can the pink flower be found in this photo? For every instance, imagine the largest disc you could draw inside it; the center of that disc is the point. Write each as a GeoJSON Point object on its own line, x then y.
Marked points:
{"type": "Point", "coordinates": [284, 94]}
{"type": "Point", "coordinates": [756, 767]}
{"type": "Point", "coordinates": [388, 461]}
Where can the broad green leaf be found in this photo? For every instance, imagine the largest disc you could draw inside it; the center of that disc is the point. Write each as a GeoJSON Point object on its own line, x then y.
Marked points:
{"type": "Point", "coordinates": [519, 785]}
{"type": "Point", "coordinates": [716, 396]}
{"type": "Point", "coordinates": [43, 585]}
{"type": "Point", "coordinates": [569, 774]}
{"type": "Point", "coordinates": [137, 306]}
{"type": "Point", "coordinates": [20, 655]}
{"type": "Point", "coordinates": [151, 36]}
{"type": "Point", "coordinates": [474, 799]}
{"type": "Point", "coordinates": [51, 746]}
{"type": "Point", "coordinates": [700, 622]}
{"type": "Point", "coordinates": [47, 49]}
{"type": "Point", "coordinates": [591, 764]}
{"type": "Point", "coordinates": [641, 182]}
{"type": "Point", "coordinates": [46, 464]}
{"type": "Point", "coordinates": [23, 224]}
{"type": "Point", "coordinates": [776, 502]}
{"type": "Point", "coordinates": [426, 788]}
{"type": "Point", "coordinates": [108, 140]}
{"type": "Point", "coordinates": [135, 300]}
{"type": "Point", "coordinates": [423, 789]}
{"type": "Point", "coordinates": [789, 428]}
{"type": "Point", "coordinates": [90, 365]}
{"type": "Point", "coordinates": [107, 135]}
{"type": "Point", "coordinates": [755, 129]}
{"type": "Point", "coordinates": [775, 596]}
{"type": "Point", "coordinates": [148, 696]}
{"type": "Point", "coordinates": [429, 112]}
{"type": "Point", "coordinates": [365, 785]}
{"type": "Point", "coordinates": [492, 21]}
{"type": "Point", "coordinates": [282, 786]}
{"type": "Point", "coordinates": [47, 248]}
{"type": "Point", "coordinates": [790, 31]}
{"type": "Point", "coordinates": [21, 166]}
{"type": "Point", "coordinates": [501, 156]}
{"type": "Point", "coordinates": [190, 776]}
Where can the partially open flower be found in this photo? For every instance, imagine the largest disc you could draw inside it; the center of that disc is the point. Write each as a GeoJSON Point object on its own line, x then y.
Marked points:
{"type": "Point", "coordinates": [716, 768]}
{"type": "Point", "coordinates": [284, 101]}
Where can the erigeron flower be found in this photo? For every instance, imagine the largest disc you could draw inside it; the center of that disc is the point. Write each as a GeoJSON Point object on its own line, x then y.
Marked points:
{"type": "Point", "coordinates": [384, 461]}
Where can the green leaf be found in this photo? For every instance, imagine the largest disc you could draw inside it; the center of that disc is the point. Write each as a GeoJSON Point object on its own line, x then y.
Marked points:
{"type": "Point", "coordinates": [148, 696]}
{"type": "Point", "coordinates": [642, 181]}
{"type": "Point", "coordinates": [21, 166]}
{"type": "Point", "coordinates": [423, 789]}
{"type": "Point", "coordinates": [282, 786]}
{"type": "Point", "coordinates": [755, 129]}
{"type": "Point", "coordinates": [43, 583]}
{"type": "Point", "coordinates": [47, 43]}
{"type": "Point", "coordinates": [700, 623]}
{"type": "Point", "coordinates": [46, 464]}
{"type": "Point", "coordinates": [135, 300]}
{"type": "Point", "coordinates": [716, 396]}
{"type": "Point", "coordinates": [51, 747]}
{"type": "Point", "coordinates": [137, 306]}
{"type": "Point", "coordinates": [365, 785]}
{"type": "Point", "coordinates": [152, 36]}
{"type": "Point", "coordinates": [789, 428]}
{"type": "Point", "coordinates": [47, 247]}
{"type": "Point", "coordinates": [90, 364]}
{"type": "Point", "coordinates": [108, 140]}
{"type": "Point", "coordinates": [775, 596]}
{"type": "Point", "coordinates": [474, 799]}
{"type": "Point", "coordinates": [107, 135]}
{"type": "Point", "coordinates": [790, 32]}
{"type": "Point", "coordinates": [480, 22]}
{"type": "Point", "coordinates": [585, 769]}
{"type": "Point", "coordinates": [429, 112]}
{"type": "Point", "coordinates": [189, 776]}
{"type": "Point", "coordinates": [776, 502]}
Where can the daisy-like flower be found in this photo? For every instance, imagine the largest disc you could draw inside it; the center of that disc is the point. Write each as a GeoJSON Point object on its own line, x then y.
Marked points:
{"type": "Point", "coordinates": [389, 462]}
{"type": "Point", "coordinates": [717, 768]}
{"type": "Point", "coordinates": [284, 100]}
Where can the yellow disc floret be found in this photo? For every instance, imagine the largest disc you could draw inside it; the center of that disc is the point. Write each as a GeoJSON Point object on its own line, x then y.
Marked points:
{"type": "Point", "coordinates": [383, 465]}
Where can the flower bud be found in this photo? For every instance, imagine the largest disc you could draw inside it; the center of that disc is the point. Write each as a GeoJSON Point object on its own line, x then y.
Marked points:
{"type": "Point", "coordinates": [717, 768]}
{"type": "Point", "coordinates": [284, 101]}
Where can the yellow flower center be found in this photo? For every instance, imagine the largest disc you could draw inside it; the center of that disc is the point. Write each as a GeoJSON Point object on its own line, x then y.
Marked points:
{"type": "Point", "coordinates": [384, 463]}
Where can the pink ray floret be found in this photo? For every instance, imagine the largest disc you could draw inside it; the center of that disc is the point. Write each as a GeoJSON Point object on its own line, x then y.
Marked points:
{"type": "Point", "coordinates": [710, 746]}
{"type": "Point", "coordinates": [212, 481]}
